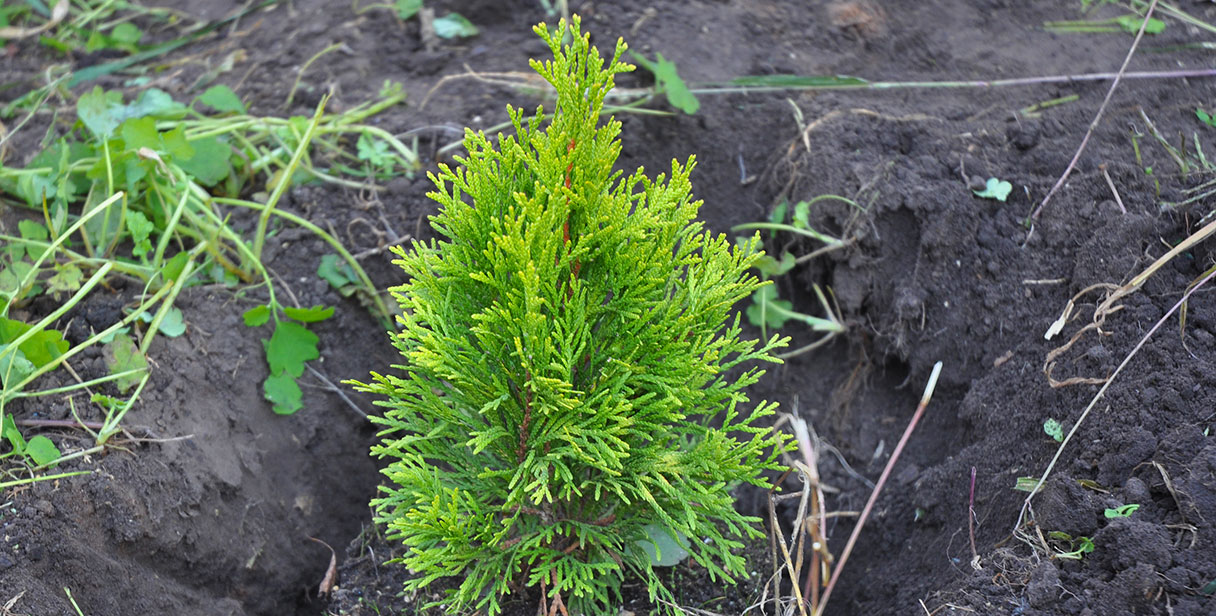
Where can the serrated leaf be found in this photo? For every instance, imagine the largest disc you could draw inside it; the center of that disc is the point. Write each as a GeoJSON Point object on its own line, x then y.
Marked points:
{"type": "Point", "coordinates": [663, 550]}
{"type": "Point", "coordinates": [453, 25]}
{"type": "Point", "coordinates": [309, 315]}
{"type": "Point", "coordinates": [374, 151]}
{"type": "Point", "coordinates": [122, 355]}
{"type": "Point", "coordinates": [41, 450]}
{"type": "Point", "coordinates": [221, 98]}
{"type": "Point", "coordinates": [289, 347]}
{"type": "Point", "coordinates": [283, 391]}
{"type": "Point", "coordinates": [141, 230]}
{"type": "Point", "coordinates": [257, 316]}
{"type": "Point", "coordinates": [67, 279]}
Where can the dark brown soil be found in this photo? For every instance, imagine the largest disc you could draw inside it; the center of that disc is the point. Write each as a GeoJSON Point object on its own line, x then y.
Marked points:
{"type": "Point", "coordinates": [218, 523]}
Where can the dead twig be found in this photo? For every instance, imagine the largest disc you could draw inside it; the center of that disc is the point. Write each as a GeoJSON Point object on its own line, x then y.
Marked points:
{"type": "Point", "coordinates": [882, 480]}
{"type": "Point", "coordinates": [331, 572]}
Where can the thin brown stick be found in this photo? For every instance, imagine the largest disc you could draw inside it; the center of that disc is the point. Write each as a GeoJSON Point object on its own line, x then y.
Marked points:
{"type": "Point", "coordinates": [1098, 116]}
{"type": "Point", "coordinates": [882, 480]}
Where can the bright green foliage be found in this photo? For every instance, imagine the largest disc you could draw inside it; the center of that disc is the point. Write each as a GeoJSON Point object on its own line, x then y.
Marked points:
{"type": "Point", "coordinates": [568, 350]}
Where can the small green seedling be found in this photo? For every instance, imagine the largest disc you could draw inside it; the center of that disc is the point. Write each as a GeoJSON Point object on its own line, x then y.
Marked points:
{"type": "Point", "coordinates": [667, 81]}
{"type": "Point", "coordinates": [1205, 117]}
{"type": "Point", "coordinates": [1122, 511]}
{"type": "Point", "coordinates": [995, 189]}
{"type": "Point", "coordinates": [1077, 547]}
{"type": "Point", "coordinates": [1054, 429]}
{"type": "Point", "coordinates": [288, 349]}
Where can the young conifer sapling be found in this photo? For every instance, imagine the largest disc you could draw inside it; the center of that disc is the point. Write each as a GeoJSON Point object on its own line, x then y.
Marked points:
{"type": "Point", "coordinates": [568, 384]}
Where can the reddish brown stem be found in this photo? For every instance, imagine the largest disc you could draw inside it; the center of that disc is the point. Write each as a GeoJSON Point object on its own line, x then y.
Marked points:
{"type": "Point", "coordinates": [882, 480]}
{"type": "Point", "coordinates": [523, 427]}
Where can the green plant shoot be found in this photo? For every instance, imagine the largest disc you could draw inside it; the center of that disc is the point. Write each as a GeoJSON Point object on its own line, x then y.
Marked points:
{"type": "Point", "coordinates": [569, 389]}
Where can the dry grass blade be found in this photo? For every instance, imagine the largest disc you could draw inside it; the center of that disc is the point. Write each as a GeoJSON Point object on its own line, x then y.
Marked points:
{"type": "Point", "coordinates": [1109, 305]}
{"type": "Point", "coordinates": [57, 14]}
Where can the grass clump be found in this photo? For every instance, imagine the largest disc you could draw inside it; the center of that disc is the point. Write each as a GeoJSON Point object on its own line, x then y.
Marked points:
{"type": "Point", "coordinates": [567, 401]}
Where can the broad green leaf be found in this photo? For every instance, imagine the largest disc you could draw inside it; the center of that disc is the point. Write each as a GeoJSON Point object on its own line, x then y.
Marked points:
{"type": "Point", "coordinates": [127, 33]}
{"type": "Point", "coordinates": [407, 8]}
{"type": "Point", "coordinates": [995, 189]}
{"type": "Point", "coordinates": [309, 315]}
{"type": "Point", "coordinates": [778, 214]}
{"type": "Point", "coordinates": [41, 348]}
{"type": "Point", "coordinates": [663, 550]}
{"type": "Point", "coordinates": [257, 316]}
{"type": "Point", "coordinates": [173, 325]}
{"type": "Point", "coordinates": [41, 450]}
{"type": "Point", "coordinates": [139, 133]}
{"type": "Point", "coordinates": [761, 312]}
{"type": "Point", "coordinates": [121, 355]}
{"type": "Point", "coordinates": [336, 272]}
{"type": "Point", "coordinates": [209, 162]}
{"type": "Point", "coordinates": [283, 391]}
{"type": "Point", "coordinates": [174, 266]}
{"type": "Point", "coordinates": [103, 112]}
{"type": "Point", "coordinates": [99, 110]}
{"type": "Point", "coordinates": [36, 231]}
{"type": "Point", "coordinates": [771, 267]}
{"type": "Point", "coordinates": [802, 215]}
{"type": "Point", "coordinates": [453, 25]}
{"type": "Point", "coordinates": [14, 367]}
{"type": "Point", "coordinates": [289, 347]}
{"type": "Point", "coordinates": [222, 98]}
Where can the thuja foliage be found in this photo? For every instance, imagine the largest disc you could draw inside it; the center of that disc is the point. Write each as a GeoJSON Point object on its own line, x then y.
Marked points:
{"type": "Point", "coordinates": [567, 383]}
